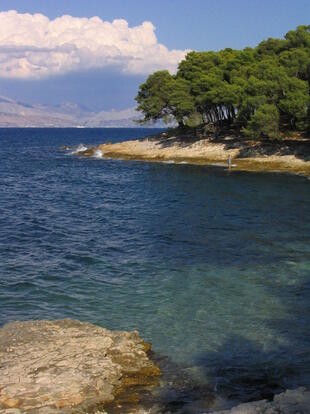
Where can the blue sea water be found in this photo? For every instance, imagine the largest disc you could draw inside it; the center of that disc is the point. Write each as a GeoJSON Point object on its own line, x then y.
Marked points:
{"type": "Point", "coordinates": [212, 267]}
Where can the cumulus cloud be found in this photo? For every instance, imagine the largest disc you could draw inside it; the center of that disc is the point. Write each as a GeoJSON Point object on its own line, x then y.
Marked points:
{"type": "Point", "coordinates": [33, 46]}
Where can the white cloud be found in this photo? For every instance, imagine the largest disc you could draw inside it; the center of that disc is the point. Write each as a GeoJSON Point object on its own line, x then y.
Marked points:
{"type": "Point", "coordinates": [32, 46]}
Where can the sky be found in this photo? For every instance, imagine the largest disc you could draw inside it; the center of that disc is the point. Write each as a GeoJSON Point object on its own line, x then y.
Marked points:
{"type": "Point", "coordinates": [96, 53]}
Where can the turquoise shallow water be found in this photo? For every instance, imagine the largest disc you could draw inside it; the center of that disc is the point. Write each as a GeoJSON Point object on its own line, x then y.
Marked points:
{"type": "Point", "coordinates": [212, 267]}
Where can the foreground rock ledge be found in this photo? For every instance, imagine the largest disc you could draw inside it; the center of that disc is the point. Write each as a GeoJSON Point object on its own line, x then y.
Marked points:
{"type": "Point", "coordinates": [68, 366]}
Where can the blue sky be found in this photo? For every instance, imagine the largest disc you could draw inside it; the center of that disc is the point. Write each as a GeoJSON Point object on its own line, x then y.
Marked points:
{"type": "Point", "coordinates": [180, 24]}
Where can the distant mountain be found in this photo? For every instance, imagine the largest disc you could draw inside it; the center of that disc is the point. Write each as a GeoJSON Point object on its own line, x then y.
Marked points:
{"type": "Point", "coordinates": [114, 118]}
{"type": "Point", "coordinates": [20, 114]}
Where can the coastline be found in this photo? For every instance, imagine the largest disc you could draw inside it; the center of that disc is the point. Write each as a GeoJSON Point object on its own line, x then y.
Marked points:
{"type": "Point", "coordinates": [289, 155]}
{"type": "Point", "coordinates": [52, 366]}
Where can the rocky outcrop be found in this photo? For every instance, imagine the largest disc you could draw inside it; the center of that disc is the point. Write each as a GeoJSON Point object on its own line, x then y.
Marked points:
{"type": "Point", "coordinates": [68, 366]}
{"type": "Point", "coordinates": [289, 402]}
{"type": "Point", "coordinates": [288, 156]}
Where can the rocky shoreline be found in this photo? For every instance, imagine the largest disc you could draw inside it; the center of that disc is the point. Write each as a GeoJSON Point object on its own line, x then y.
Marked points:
{"type": "Point", "coordinates": [287, 155]}
{"type": "Point", "coordinates": [67, 366]}
{"type": "Point", "coordinates": [289, 402]}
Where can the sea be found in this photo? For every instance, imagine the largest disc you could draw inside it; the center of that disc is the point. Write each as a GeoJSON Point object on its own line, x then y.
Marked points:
{"type": "Point", "coordinates": [209, 265]}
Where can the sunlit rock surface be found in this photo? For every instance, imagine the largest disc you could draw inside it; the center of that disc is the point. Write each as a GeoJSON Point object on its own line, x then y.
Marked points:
{"type": "Point", "coordinates": [67, 366]}
{"type": "Point", "coordinates": [288, 156]}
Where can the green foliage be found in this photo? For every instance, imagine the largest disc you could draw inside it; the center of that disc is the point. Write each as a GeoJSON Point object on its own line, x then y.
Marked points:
{"type": "Point", "coordinates": [153, 96]}
{"type": "Point", "coordinates": [181, 101]}
{"type": "Point", "coordinates": [264, 123]}
{"type": "Point", "coordinates": [237, 88]}
{"type": "Point", "coordinates": [295, 104]}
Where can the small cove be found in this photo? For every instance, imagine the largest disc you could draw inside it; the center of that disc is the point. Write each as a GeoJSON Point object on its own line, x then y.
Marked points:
{"type": "Point", "coordinates": [212, 267]}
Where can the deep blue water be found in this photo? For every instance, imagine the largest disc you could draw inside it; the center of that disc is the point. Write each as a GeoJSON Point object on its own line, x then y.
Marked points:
{"type": "Point", "coordinates": [212, 267]}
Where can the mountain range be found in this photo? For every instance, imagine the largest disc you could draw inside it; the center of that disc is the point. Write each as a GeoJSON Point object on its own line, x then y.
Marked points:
{"type": "Point", "coordinates": [20, 114]}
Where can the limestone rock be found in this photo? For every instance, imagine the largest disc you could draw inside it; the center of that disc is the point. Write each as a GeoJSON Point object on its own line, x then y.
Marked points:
{"type": "Point", "coordinates": [68, 366]}
{"type": "Point", "coordinates": [289, 402]}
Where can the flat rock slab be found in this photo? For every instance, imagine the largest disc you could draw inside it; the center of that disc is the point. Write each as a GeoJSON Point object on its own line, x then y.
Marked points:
{"type": "Point", "coordinates": [289, 402]}
{"type": "Point", "coordinates": [68, 366]}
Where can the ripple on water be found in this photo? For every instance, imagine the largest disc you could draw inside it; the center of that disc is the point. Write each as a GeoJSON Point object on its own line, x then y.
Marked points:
{"type": "Point", "coordinates": [211, 267]}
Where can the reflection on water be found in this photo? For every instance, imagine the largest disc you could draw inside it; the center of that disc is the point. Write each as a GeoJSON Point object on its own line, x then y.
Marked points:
{"type": "Point", "coordinates": [213, 268]}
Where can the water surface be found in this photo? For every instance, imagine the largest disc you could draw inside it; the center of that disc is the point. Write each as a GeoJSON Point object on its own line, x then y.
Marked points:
{"type": "Point", "coordinates": [212, 267]}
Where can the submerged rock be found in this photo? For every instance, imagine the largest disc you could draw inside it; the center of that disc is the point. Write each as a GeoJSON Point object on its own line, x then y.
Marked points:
{"type": "Point", "coordinates": [68, 366]}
